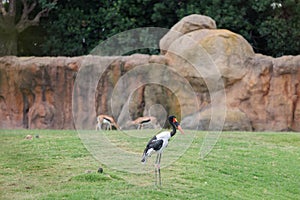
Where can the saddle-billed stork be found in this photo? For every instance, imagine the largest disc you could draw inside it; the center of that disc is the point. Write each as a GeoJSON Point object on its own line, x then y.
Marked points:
{"type": "Point", "coordinates": [158, 143]}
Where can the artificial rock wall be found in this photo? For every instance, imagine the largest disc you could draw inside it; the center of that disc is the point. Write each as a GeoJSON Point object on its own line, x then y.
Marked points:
{"type": "Point", "coordinates": [262, 93]}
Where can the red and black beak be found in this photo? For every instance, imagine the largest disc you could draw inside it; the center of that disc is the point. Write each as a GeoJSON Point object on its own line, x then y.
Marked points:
{"type": "Point", "coordinates": [178, 125]}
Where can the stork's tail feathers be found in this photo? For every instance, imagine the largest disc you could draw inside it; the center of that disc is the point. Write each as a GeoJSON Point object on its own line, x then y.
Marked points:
{"type": "Point", "coordinates": [144, 158]}
{"type": "Point", "coordinates": [146, 154]}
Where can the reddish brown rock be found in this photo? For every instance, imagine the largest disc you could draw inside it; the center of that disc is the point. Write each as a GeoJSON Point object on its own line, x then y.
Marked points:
{"type": "Point", "coordinates": [36, 92]}
{"type": "Point", "coordinates": [261, 92]}
{"type": "Point", "coordinates": [135, 84]}
{"type": "Point", "coordinates": [269, 99]}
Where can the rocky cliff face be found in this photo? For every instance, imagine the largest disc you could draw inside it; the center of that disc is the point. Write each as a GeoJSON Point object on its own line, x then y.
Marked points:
{"type": "Point", "coordinates": [36, 93]}
{"type": "Point", "coordinates": [269, 93]}
{"type": "Point", "coordinates": [198, 62]}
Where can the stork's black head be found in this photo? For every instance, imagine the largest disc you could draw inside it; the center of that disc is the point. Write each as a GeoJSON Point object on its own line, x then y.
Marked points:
{"type": "Point", "coordinates": [173, 120]}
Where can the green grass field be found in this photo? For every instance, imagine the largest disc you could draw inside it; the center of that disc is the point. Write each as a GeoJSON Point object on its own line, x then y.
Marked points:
{"type": "Point", "coordinates": [242, 165]}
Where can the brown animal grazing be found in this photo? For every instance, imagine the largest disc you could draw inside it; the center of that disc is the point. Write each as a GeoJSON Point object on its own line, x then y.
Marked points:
{"type": "Point", "coordinates": [105, 119]}
{"type": "Point", "coordinates": [141, 121]}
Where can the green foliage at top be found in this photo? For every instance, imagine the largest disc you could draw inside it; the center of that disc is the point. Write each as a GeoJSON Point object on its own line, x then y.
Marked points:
{"type": "Point", "coordinates": [46, 4]}
{"type": "Point", "coordinates": [76, 27]}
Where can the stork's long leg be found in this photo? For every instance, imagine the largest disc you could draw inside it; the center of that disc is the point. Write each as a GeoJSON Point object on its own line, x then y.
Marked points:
{"type": "Point", "coordinates": [159, 176]}
{"type": "Point", "coordinates": [156, 168]}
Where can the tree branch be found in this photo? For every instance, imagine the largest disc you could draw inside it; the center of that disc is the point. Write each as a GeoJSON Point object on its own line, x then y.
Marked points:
{"type": "Point", "coordinates": [32, 6]}
{"type": "Point", "coordinates": [27, 11]}
{"type": "Point", "coordinates": [36, 20]}
{"type": "Point", "coordinates": [24, 21]}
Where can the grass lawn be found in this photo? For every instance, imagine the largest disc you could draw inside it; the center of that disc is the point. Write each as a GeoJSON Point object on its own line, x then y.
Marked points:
{"type": "Point", "coordinates": [242, 165]}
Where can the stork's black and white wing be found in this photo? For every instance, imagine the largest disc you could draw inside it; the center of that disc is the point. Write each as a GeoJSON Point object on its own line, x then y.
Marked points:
{"type": "Point", "coordinates": [156, 144]}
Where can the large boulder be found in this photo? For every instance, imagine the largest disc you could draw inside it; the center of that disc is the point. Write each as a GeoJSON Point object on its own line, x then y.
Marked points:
{"type": "Point", "coordinates": [185, 25]}
{"type": "Point", "coordinates": [263, 88]}
{"type": "Point", "coordinates": [210, 54]}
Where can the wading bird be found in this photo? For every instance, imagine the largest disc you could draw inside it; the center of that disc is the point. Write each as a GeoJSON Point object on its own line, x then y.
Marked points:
{"type": "Point", "coordinates": [158, 143]}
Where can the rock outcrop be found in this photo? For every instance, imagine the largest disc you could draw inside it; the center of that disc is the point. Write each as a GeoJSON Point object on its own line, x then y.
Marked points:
{"type": "Point", "coordinates": [261, 92]}
{"type": "Point", "coordinates": [199, 63]}
{"type": "Point", "coordinates": [269, 93]}
{"type": "Point", "coordinates": [186, 25]}
{"type": "Point", "coordinates": [36, 93]}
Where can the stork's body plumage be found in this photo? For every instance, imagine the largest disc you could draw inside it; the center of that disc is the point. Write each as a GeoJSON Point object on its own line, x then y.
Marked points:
{"type": "Point", "coordinates": [159, 142]}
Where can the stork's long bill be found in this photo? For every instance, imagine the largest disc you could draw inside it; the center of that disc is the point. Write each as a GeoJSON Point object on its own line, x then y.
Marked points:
{"type": "Point", "coordinates": [178, 125]}
{"type": "Point", "coordinates": [180, 129]}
